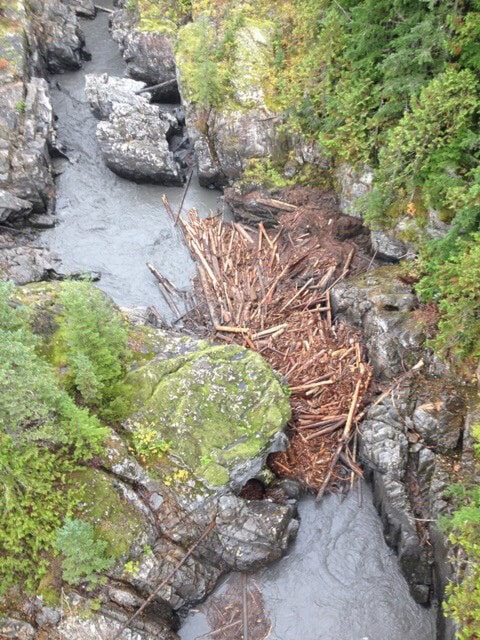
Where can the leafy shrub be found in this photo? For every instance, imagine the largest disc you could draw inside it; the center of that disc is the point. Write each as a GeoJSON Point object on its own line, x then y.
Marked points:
{"type": "Point", "coordinates": [263, 173]}
{"type": "Point", "coordinates": [463, 598]}
{"type": "Point", "coordinates": [84, 556]}
{"type": "Point", "coordinates": [97, 354]}
{"type": "Point", "coordinates": [454, 282]}
{"type": "Point", "coordinates": [42, 436]}
{"type": "Point", "coordinates": [34, 497]}
{"type": "Point", "coordinates": [146, 442]}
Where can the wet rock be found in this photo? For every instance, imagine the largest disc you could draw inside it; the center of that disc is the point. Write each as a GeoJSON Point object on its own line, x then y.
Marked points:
{"type": "Point", "coordinates": [103, 91]}
{"type": "Point", "coordinates": [387, 247]}
{"type": "Point", "coordinates": [84, 8]}
{"type": "Point", "coordinates": [25, 263]}
{"type": "Point", "coordinates": [26, 130]}
{"type": "Point", "coordinates": [12, 208]}
{"type": "Point", "coordinates": [253, 533]}
{"type": "Point", "coordinates": [134, 145]}
{"type": "Point", "coordinates": [440, 419]}
{"type": "Point", "coordinates": [149, 54]}
{"type": "Point", "coordinates": [60, 39]}
{"type": "Point", "coordinates": [407, 443]}
{"type": "Point", "coordinates": [42, 221]}
{"type": "Point", "coordinates": [16, 629]}
{"type": "Point", "coordinates": [385, 450]}
{"type": "Point", "coordinates": [30, 170]}
{"type": "Point", "coordinates": [380, 304]}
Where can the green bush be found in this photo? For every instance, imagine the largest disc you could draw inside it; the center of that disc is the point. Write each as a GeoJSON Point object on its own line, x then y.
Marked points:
{"type": "Point", "coordinates": [463, 598]}
{"type": "Point", "coordinates": [34, 497]}
{"type": "Point", "coordinates": [454, 282]}
{"type": "Point", "coordinates": [95, 337]}
{"type": "Point", "coordinates": [84, 556]}
{"type": "Point", "coordinates": [43, 435]}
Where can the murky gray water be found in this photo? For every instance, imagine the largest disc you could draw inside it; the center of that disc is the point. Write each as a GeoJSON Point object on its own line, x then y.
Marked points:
{"type": "Point", "coordinates": [106, 223]}
{"type": "Point", "coordinates": [339, 580]}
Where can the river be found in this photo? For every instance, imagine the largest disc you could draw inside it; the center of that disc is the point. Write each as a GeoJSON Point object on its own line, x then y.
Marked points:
{"type": "Point", "coordinates": [339, 580]}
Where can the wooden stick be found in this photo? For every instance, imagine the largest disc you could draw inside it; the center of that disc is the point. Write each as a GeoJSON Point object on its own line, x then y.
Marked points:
{"type": "Point", "coordinates": [153, 87]}
{"type": "Point", "coordinates": [153, 595]}
{"type": "Point", "coordinates": [226, 329]}
{"type": "Point", "coordinates": [187, 184]}
{"type": "Point", "coordinates": [164, 290]}
{"type": "Point", "coordinates": [168, 207]}
{"type": "Point", "coordinates": [211, 634]}
{"type": "Point", "coordinates": [99, 8]}
{"type": "Point", "coordinates": [245, 607]}
{"type": "Point", "coordinates": [299, 292]}
{"type": "Point", "coordinates": [343, 440]}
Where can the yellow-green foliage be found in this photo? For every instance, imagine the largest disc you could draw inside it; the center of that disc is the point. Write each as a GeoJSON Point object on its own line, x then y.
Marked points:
{"type": "Point", "coordinates": [93, 336]}
{"type": "Point", "coordinates": [161, 16]}
{"type": "Point", "coordinates": [463, 598]}
{"type": "Point", "coordinates": [43, 435]}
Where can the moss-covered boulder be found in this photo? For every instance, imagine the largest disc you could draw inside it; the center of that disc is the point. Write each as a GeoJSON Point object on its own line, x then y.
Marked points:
{"type": "Point", "coordinates": [218, 410]}
{"type": "Point", "coordinates": [203, 416]}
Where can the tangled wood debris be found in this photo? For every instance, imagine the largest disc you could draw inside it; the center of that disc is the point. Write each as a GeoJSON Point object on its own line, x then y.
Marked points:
{"type": "Point", "coordinates": [269, 290]}
{"type": "Point", "coordinates": [238, 611]}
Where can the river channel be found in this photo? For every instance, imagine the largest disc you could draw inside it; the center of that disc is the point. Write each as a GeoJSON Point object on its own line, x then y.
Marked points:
{"type": "Point", "coordinates": [339, 580]}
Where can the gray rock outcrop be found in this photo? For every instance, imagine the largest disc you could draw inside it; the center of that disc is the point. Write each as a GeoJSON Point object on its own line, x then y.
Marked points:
{"type": "Point", "coordinates": [58, 37]}
{"type": "Point", "coordinates": [84, 8]}
{"type": "Point", "coordinates": [381, 305]}
{"type": "Point", "coordinates": [133, 134]}
{"type": "Point", "coordinates": [134, 145]}
{"type": "Point", "coordinates": [149, 54]}
{"type": "Point", "coordinates": [243, 128]}
{"type": "Point", "coordinates": [50, 39]}
{"type": "Point", "coordinates": [412, 434]}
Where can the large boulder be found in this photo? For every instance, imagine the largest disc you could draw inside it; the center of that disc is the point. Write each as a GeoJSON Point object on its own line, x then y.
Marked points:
{"type": "Point", "coordinates": [222, 408]}
{"type": "Point", "coordinates": [103, 91]}
{"type": "Point", "coordinates": [134, 144]}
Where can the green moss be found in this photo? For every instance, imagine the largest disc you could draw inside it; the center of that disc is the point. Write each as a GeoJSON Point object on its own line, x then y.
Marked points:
{"type": "Point", "coordinates": [217, 407]}
{"type": "Point", "coordinates": [115, 520]}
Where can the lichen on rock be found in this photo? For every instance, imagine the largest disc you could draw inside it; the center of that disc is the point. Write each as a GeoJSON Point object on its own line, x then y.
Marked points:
{"type": "Point", "coordinates": [220, 407]}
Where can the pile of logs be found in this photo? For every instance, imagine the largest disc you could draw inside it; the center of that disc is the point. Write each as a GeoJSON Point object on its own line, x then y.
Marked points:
{"type": "Point", "coordinates": [269, 290]}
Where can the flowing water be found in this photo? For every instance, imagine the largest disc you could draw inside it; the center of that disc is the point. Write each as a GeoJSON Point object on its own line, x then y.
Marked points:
{"type": "Point", "coordinates": [339, 580]}
{"type": "Point", "coordinates": [106, 223]}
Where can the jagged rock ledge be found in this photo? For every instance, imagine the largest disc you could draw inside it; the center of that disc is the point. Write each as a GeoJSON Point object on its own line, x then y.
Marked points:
{"type": "Point", "coordinates": [416, 438]}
